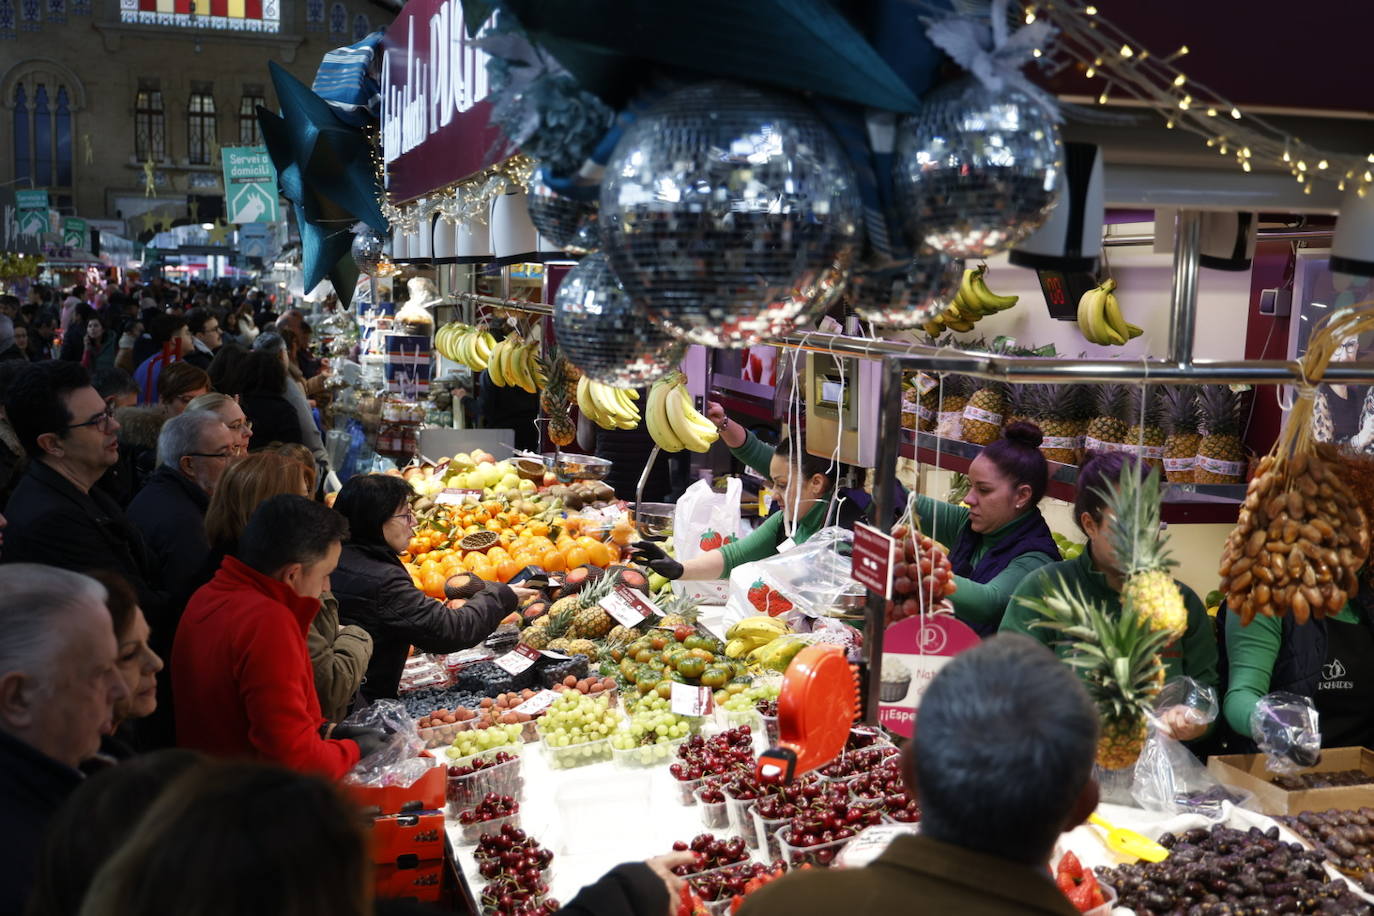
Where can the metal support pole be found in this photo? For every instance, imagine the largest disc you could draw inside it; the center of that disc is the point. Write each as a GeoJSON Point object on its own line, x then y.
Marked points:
{"type": "Point", "coordinates": [1183, 313]}
{"type": "Point", "coordinates": [884, 477]}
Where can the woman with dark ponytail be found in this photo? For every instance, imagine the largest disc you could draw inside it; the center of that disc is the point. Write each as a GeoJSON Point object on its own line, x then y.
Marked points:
{"type": "Point", "coordinates": [1001, 537]}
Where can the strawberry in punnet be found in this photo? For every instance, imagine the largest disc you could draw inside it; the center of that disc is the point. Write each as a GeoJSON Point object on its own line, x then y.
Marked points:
{"type": "Point", "coordinates": [710, 540]}
{"type": "Point", "coordinates": [1078, 884]}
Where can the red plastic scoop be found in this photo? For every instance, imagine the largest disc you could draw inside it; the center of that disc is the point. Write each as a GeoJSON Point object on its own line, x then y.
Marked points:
{"type": "Point", "coordinates": [816, 707]}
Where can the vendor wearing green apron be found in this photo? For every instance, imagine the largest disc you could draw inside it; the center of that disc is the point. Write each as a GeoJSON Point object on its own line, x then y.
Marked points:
{"type": "Point", "coordinates": [1001, 537]}
{"type": "Point", "coordinates": [803, 485]}
{"type": "Point", "coordinates": [1095, 572]}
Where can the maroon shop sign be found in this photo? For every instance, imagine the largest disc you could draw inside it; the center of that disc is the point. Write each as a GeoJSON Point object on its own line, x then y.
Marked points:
{"type": "Point", "coordinates": [434, 117]}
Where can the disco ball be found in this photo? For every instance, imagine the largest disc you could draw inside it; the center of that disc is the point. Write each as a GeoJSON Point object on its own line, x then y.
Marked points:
{"type": "Point", "coordinates": [730, 214]}
{"type": "Point", "coordinates": [906, 297]}
{"type": "Point", "coordinates": [975, 169]}
{"type": "Point", "coordinates": [606, 335]}
{"type": "Point", "coordinates": [567, 223]}
{"type": "Point", "coordinates": [369, 250]}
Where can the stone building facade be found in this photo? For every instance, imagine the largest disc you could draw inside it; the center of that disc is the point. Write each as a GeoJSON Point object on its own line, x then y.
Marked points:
{"type": "Point", "coordinates": [96, 96]}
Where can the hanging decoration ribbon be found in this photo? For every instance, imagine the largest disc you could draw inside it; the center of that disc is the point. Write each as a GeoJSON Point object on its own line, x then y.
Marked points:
{"type": "Point", "coordinates": [993, 54]}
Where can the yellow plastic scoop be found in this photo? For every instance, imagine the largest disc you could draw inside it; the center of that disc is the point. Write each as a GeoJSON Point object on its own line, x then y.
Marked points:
{"type": "Point", "coordinates": [1129, 843]}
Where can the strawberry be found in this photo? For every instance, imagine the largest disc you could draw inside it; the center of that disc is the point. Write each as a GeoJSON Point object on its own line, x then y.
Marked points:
{"type": "Point", "coordinates": [1081, 898]}
{"type": "Point", "coordinates": [758, 595]}
{"type": "Point", "coordinates": [1069, 865]}
{"type": "Point", "coordinates": [710, 540]}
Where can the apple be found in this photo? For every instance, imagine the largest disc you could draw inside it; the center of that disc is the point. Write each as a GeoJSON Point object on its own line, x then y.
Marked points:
{"type": "Point", "coordinates": [509, 482]}
{"type": "Point", "coordinates": [527, 486]}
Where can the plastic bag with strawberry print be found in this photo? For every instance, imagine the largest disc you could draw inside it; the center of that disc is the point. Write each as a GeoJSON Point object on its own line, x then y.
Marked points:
{"type": "Point", "coordinates": [807, 581]}
{"type": "Point", "coordinates": [702, 521]}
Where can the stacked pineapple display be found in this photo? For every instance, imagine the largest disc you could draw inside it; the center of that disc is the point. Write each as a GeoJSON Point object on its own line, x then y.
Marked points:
{"type": "Point", "coordinates": [1146, 436]}
{"type": "Point", "coordinates": [555, 398]}
{"type": "Point", "coordinates": [1057, 410]}
{"type": "Point", "coordinates": [1181, 436]}
{"type": "Point", "coordinates": [1110, 424]}
{"type": "Point", "coordinates": [984, 413]}
{"type": "Point", "coordinates": [1220, 453]}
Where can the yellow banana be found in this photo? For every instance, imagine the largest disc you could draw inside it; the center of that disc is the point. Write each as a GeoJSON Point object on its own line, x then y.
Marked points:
{"type": "Point", "coordinates": [967, 299]}
{"type": "Point", "coordinates": [655, 417]}
{"type": "Point", "coordinates": [758, 626]}
{"type": "Point", "coordinates": [683, 418]}
{"type": "Point", "coordinates": [1133, 332]}
{"type": "Point", "coordinates": [987, 300]}
{"type": "Point", "coordinates": [494, 364]}
{"type": "Point", "coordinates": [586, 405]}
{"type": "Point", "coordinates": [1090, 304]}
{"type": "Point", "coordinates": [1112, 311]}
{"type": "Point", "coordinates": [963, 325]}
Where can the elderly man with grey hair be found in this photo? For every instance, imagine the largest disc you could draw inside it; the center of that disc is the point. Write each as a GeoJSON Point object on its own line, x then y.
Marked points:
{"type": "Point", "coordinates": [58, 687]}
{"type": "Point", "coordinates": [193, 450]}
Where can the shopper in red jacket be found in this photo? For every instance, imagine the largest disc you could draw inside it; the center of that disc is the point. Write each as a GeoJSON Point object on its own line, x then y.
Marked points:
{"type": "Point", "coordinates": [241, 674]}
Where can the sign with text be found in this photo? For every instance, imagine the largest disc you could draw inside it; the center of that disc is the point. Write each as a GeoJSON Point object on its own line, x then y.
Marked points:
{"type": "Point", "coordinates": [452, 496]}
{"type": "Point", "coordinates": [687, 700]}
{"type": "Point", "coordinates": [538, 703]}
{"type": "Point", "coordinates": [250, 184]}
{"type": "Point", "coordinates": [518, 659]}
{"type": "Point", "coordinates": [871, 561]}
{"type": "Point", "coordinates": [32, 211]}
{"type": "Point", "coordinates": [628, 606]}
{"type": "Point", "coordinates": [75, 233]}
{"type": "Point", "coordinates": [434, 114]}
{"type": "Point", "coordinates": [914, 650]}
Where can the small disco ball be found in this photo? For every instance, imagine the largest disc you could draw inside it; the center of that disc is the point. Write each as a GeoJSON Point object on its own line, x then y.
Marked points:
{"type": "Point", "coordinates": [730, 214]}
{"type": "Point", "coordinates": [906, 297]}
{"type": "Point", "coordinates": [567, 223]}
{"type": "Point", "coordinates": [975, 169]}
{"type": "Point", "coordinates": [369, 250]}
{"type": "Point", "coordinates": [606, 335]}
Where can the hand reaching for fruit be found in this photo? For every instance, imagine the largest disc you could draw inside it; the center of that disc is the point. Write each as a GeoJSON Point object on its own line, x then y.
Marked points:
{"type": "Point", "coordinates": [663, 867]}
{"type": "Point", "coordinates": [1183, 723]}
{"type": "Point", "coordinates": [652, 556]}
{"type": "Point", "coordinates": [731, 433]}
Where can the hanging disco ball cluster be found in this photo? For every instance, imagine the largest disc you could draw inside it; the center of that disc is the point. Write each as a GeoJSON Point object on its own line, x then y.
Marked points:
{"type": "Point", "coordinates": [729, 215]}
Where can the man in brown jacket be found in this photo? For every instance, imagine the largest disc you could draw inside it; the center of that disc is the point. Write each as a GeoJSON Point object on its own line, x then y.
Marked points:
{"type": "Point", "coordinates": [1002, 764]}
{"type": "Point", "coordinates": [340, 656]}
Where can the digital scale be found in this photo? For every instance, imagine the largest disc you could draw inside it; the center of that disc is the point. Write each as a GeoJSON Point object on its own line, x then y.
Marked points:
{"type": "Point", "coordinates": [842, 407]}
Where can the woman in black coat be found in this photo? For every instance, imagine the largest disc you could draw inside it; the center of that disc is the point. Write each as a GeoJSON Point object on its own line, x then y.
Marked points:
{"type": "Point", "coordinates": [376, 593]}
{"type": "Point", "coordinates": [260, 381]}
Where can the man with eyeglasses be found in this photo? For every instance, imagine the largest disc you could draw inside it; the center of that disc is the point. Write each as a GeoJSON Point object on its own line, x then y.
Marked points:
{"type": "Point", "coordinates": [57, 515]}
{"type": "Point", "coordinates": [206, 337]}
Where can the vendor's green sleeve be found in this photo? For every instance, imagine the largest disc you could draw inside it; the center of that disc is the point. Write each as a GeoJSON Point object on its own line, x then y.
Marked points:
{"type": "Point", "coordinates": [1199, 643]}
{"type": "Point", "coordinates": [756, 454]}
{"type": "Point", "coordinates": [941, 520]}
{"type": "Point", "coordinates": [985, 603]}
{"type": "Point", "coordinates": [760, 543]}
{"type": "Point", "coordinates": [1018, 618]}
{"type": "Point", "coordinates": [1251, 652]}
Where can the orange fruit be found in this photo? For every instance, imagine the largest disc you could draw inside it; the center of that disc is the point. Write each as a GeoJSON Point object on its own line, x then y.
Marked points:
{"type": "Point", "coordinates": [553, 561]}
{"type": "Point", "coordinates": [483, 569]}
{"type": "Point", "coordinates": [597, 554]}
{"type": "Point", "coordinates": [576, 556]}
{"type": "Point", "coordinates": [433, 584]}
{"type": "Point", "coordinates": [507, 570]}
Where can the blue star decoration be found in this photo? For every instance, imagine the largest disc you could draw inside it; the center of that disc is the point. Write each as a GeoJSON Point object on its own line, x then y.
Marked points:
{"type": "Point", "coordinates": [324, 168]}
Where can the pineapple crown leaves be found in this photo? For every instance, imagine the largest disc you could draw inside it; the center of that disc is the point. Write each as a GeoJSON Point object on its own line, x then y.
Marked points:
{"type": "Point", "coordinates": [559, 622]}
{"type": "Point", "coordinates": [1180, 409]}
{"type": "Point", "coordinates": [1113, 401]}
{"type": "Point", "coordinates": [1219, 408]}
{"type": "Point", "coordinates": [1147, 408]}
{"type": "Point", "coordinates": [599, 589]}
{"type": "Point", "coordinates": [1117, 655]}
{"type": "Point", "coordinates": [1136, 536]}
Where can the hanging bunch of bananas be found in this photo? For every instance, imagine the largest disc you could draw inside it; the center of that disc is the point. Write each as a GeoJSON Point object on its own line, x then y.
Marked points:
{"type": "Point", "coordinates": [673, 419]}
{"type": "Point", "coordinates": [607, 407]}
{"type": "Point", "coordinates": [973, 301]}
{"type": "Point", "coordinates": [514, 363]}
{"type": "Point", "coordinates": [462, 343]}
{"type": "Point", "coordinates": [1100, 318]}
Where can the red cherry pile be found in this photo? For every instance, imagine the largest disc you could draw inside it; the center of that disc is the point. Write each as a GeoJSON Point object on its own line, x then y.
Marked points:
{"type": "Point", "coordinates": [513, 864]}
{"type": "Point", "coordinates": [791, 799]}
{"type": "Point", "coordinates": [710, 853]}
{"type": "Point", "coordinates": [852, 763]}
{"type": "Point", "coordinates": [491, 807]}
{"type": "Point", "coordinates": [465, 789]}
{"type": "Point", "coordinates": [861, 738]}
{"type": "Point", "coordinates": [767, 708]}
{"type": "Point", "coordinates": [731, 881]}
{"type": "Point", "coordinates": [482, 763]}
{"type": "Point", "coordinates": [882, 787]}
{"type": "Point", "coordinates": [922, 575]}
{"type": "Point", "coordinates": [723, 753]}
{"type": "Point", "coordinates": [909, 813]}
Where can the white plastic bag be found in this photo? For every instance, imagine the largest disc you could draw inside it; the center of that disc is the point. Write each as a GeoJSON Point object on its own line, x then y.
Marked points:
{"type": "Point", "coordinates": [699, 511]}
{"type": "Point", "coordinates": [803, 581]}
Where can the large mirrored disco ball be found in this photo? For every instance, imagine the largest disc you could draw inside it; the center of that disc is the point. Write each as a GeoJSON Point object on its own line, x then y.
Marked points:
{"type": "Point", "coordinates": [906, 297]}
{"type": "Point", "coordinates": [368, 250]}
{"type": "Point", "coordinates": [730, 214]}
{"type": "Point", "coordinates": [975, 169]}
{"type": "Point", "coordinates": [566, 223]}
{"type": "Point", "coordinates": [603, 333]}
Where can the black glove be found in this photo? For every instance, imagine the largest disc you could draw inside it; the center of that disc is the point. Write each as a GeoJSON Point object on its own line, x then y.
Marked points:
{"type": "Point", "coordinates": [369, 740]}
{"type": "Point", "coordinates": [651, 555]}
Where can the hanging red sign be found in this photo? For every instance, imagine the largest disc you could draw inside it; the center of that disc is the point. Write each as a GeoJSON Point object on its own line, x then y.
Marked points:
{"type": "Point", "coordinates": [434, 113]}
{"type": "Point", "coordinates": [871, 560]}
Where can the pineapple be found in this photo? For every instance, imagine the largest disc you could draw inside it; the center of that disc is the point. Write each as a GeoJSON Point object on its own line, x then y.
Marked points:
{"type": "Point", "coordinates": [1021, 403]}
{"type": "Point", "coordinates": [680, 611]}
{"type": "Point", "coordinates": [562, 644]}
{"type": "Point", "coordinates": [558, 378]}
{"type": "Point", "coordinates": [583, 647]}
{"type": "Point", "coordinates": [1220, 454]}
{"type": "Point", "coordinates": [1180, 420]}
{"type": "Point", "coordinates": [590, 620]}
{"type": "Point", "coordinates": [1117, 656]}
{"type": "Point", "coordinates": [1146, 435]}
{"type": "Point", "coordinates": [1142, 553]}
{"type": "Point", "coordinates": [949, 418]}
{"type": "Point", "coordinates": [985, 413]}
{"type": "Point", "coordinates": [1052, 412]}
{"type": "Point", "coordinates": [544, 636]}
{"type": "Point", "coordinates": [1108, 428]}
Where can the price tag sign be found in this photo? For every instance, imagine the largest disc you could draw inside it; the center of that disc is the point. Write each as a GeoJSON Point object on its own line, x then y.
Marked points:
{"type": "Point", "coordinates": [687, 700]}
{"type": "Point", "coordinates": [628, 606]}
{"type": "Point", "coordinates": [872, 559]}
{"type": "Point", "coordinates": [450, 496]}
{"type": "Point", "coordinates": [518, 659]}
{"type": "Point", "coordinates": [538, 703]}
{"type": "Point", "coordinates": [556, 656]}
{"type": "Point", "coordinates": [914, 651]}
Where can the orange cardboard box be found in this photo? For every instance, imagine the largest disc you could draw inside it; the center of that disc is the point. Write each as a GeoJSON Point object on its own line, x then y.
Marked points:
{"type": "Point", "coordinates": [423, 882]}
{"type": "Point", "coordinates": [425, 794]}
{"type": "Point", "coordinates": [408, 838]}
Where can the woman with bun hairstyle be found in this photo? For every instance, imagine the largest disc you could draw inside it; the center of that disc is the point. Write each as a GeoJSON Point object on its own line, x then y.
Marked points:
{"type": "Point", "coordinates": [1001, 537]}
{"type": "Point", "coordinates": [1095, 573]}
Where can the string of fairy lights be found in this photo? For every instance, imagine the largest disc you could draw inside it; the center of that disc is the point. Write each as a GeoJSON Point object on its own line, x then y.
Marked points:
{"type": "Point", "coordinates": [1126, 68]}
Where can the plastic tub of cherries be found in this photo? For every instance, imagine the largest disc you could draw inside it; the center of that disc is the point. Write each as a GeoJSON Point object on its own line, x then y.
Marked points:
{"type": "Point", "coordinates": [490, 815]}
{"type": "Point", "coordinates": [712, 854]}
{"type": "Point", "coordinates": [700, 757]}
{"type": "Point", "coordinates": [851, 764]}
{"type": "Point", "coordinates": [470, 779]}
{"type": "Point", "coordinates": [817, 835]}
{"type": "Point", "coordinates": [719, 887]}
{"type": "Point", "coordinates": [517, 870]}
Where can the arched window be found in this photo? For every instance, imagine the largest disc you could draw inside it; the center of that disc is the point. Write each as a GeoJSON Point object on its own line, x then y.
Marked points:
{"type": "Point", "coordinates": [361, 26]}
{"type": "Point", "coordinates": [150, 124]}
{"type": "Point", "coordinates": [42, 99]}
{"type": "Point", "coordinates": [338, 19]}
{"type": "Point", "coordinates": [200, 124]}
{"type": "Point", "coordinates": [314, 15]}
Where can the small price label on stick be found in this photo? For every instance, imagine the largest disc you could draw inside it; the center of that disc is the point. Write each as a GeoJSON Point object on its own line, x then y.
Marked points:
{"type": "Point", "coordinates": [538, 703]}
{"type": "Point", "coordinates": [628, 606]}
{"type": "Point", "coordinates": [687, 700]}
{"type": "Point", "coordinates": [452, 497]}
{"type": "Point", "coordinates": [518, 659]}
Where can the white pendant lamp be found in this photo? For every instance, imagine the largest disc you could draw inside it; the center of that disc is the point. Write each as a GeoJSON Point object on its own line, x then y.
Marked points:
{"type": "Point", "coordinates": [513, 236]}
{"type": "Point", "coordinates": [445, 241]}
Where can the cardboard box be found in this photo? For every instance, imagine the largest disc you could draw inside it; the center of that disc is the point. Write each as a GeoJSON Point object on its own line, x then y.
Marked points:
{"type": "Point", "coordinates": [425, 794]}
{"type": "Point", "coordinates": [1249, 772]}
{"type": "Point", "coordinates": [424, 882]}
{"type": "Point", "coordinates": [408, 838]}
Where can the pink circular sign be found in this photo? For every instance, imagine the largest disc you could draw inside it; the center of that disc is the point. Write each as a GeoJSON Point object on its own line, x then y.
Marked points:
{"type": "Point", "coordinates": [913, 651]}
